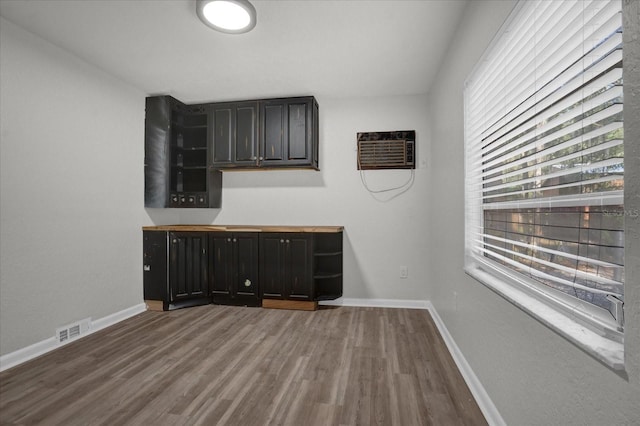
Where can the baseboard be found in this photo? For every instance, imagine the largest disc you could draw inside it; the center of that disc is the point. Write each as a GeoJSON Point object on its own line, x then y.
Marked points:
{"type": "Point", "coordinates": [481, 396]}
{"type": "Point", "coordinates": [377, 303]}
{"type": "Point", "coordinates": [491, 413]}
{"type": "Point", "coordinates": [15, 358]}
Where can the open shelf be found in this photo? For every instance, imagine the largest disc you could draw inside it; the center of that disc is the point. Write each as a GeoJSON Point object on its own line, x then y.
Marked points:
{"type": "Point", "coordinates": [327, 265]}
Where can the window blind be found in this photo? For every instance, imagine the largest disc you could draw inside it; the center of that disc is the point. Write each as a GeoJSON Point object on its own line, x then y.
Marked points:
{"type": "Point", "coordinates": [544, 151]}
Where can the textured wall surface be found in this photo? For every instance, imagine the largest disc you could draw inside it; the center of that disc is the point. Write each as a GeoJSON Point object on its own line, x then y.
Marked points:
{"type": "Point", "coordinates": [534, 376]}
{"type": "Point", "coordinates": [631, 76]}
{"type": "Point", "coordinates": [71, 190]}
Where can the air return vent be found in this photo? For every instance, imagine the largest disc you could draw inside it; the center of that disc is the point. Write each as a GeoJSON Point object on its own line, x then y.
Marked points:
{"type": "Point", "coordinates": [73, 331]}
{"type": "Point", "coordinates": [386, 150]}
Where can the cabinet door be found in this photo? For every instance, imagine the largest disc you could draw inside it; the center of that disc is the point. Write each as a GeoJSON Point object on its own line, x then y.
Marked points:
{"type": "Point", "coordinates": [235, 134]}
{"type": "Point", "coordinates": [246, 264]}
{"type": "Point", "coordinates": [298, 267]}
{"type": "Point", "coordinates": [272, 266]}
{"type": "Point", "coordinates": [286, 266]}
{"type": "Point", "coordinates": [246, 126]}
{"type": "Point", "coordinates": [187, 265]}
{"type": "Point", "coordinates": [222, 276]}
{"type": "Point", "coordinates": [223, 134]}
{"type": "Point", "coordinates": [235, 267]}
{"type": "Point", "coordinates": [287, 132]}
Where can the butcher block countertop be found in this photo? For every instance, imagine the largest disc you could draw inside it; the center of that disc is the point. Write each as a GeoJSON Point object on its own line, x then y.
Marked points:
{"type": "Point", "coordinates": [244, 228]}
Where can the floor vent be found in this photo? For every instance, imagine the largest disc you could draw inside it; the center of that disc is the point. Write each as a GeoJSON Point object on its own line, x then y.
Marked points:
{"type": "Point", "coordinates": [73, 331]}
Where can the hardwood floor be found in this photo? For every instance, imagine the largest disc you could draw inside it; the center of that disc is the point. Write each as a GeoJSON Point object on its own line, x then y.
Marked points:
{"type": "Point", "coordinates": [247, 366]}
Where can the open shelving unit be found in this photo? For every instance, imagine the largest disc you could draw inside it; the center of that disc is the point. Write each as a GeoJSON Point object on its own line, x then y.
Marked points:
{"type": "Point", "coordinates": [327, 265]}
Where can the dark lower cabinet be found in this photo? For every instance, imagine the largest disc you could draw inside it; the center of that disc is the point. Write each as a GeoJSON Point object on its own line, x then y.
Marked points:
{"type": "Point", "coordinates": [235, 268]}
{"type": "Point", "coordinates": [175, 269]}
{"type": "Point", "coordinates": [286, 266]}
{"type": "Point", "coordinates": [185, 266]}
{"type": "Point", "coordinates": [188, 262]}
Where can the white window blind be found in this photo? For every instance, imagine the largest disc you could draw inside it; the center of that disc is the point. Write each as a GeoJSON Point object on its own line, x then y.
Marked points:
{"type": "Point", "coordinates": [544, 157]}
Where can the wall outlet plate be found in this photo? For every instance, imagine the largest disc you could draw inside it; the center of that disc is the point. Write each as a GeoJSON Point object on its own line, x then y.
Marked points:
{"type": "Point", "coordinates": [404, 271]}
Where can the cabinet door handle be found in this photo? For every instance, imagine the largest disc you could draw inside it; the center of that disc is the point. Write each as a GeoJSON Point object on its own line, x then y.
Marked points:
{"type": "Point", "coordinates": [228, 240]}
{"type": "Point", "coordinates": [287, 241]}
{"type": "Point", "coordinates": [235, 240]}
{"type": "Point", "coordinates": [282, 241]}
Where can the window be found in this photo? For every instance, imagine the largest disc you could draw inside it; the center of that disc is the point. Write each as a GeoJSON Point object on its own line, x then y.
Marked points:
{"type": "Point", "coordinates": [545, 169]}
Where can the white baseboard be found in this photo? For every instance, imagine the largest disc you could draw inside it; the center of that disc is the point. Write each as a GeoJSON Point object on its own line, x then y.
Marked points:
{"type": "Point", "coordinates": [481, 396]}
{"type": "Point", "coordinates": [40, 348]}
{"type": "Point", "coordinates": [378, 303]}
{"type": "Point", "coordinates": [491, 413]}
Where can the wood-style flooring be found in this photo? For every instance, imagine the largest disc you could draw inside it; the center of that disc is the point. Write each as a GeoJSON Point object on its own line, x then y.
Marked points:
{"type": "Point", "coordinates": [215, 365]}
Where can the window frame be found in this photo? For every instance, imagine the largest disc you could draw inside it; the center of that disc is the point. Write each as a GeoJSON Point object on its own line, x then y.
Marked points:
{"type": "Point", "coordinates": [583, 324]}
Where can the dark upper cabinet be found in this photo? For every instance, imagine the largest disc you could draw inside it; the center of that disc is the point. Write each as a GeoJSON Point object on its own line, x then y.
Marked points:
{"type": "Point", "coordinates": [272, 133]}
{"type": "Point", "coordinates": [187, 146]}
{"type": "Point", "coordinates": [289, 132]}
{"type": "Point", "coordinates": [286, 266]}
{"type": "Point", "coordinates": [235, 134]}
{"type": "Point", "coordinates": [177, 142]}
{"type": "Point", "coordinates": [235, 277]}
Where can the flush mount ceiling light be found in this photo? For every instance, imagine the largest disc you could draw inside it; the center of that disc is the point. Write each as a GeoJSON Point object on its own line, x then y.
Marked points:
{"type": "Point", "coordinates": [227, 16]}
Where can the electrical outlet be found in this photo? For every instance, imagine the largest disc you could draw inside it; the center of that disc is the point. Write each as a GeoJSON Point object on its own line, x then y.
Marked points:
{"type": "Point", "coordinates": [404, 271]}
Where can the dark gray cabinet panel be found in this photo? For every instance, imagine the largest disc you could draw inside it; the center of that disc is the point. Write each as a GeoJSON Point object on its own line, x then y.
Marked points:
{"type": "Point", "coordinates": [286, 266]}
{"type": "Point", "coordinates": [156, 286]}
{"type": "Point", "coordinates": [235, 278]}
{"type": "Point", "coordinates": [223, 140]}
{"type": "Point", "coordinates": [175, 268]}
{"type": "Point", "coordinates": [188, 265]}
{"type": "Point", "coordinates": [246, 133]}
{"type": "Point", "coordinates": [235, 133]}
{"type": "Point", "coordinates": [177, 143]}
{"type": "Point", "coordinates": [289, 133]}
{"type": "Point", "coordinates": [157, 137]}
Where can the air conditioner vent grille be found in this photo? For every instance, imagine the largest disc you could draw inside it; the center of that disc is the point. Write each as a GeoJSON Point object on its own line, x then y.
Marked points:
{"type": "Point", "coordinates": [386, 150]}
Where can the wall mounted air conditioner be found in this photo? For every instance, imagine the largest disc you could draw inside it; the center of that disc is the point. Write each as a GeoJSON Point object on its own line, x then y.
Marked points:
{"type": "Point", "coordinates": [387, 150]}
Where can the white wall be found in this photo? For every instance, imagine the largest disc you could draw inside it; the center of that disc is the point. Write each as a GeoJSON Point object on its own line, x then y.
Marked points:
{"type": "Point", "coordinates": [533, 376]}
{"type": "Point", "coordinates": [380, 234]}
{"type": "Point", "coordinates": [71, 188]}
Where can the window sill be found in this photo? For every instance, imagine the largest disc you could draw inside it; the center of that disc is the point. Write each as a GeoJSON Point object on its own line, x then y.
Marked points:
{"type": "Point", "coordinates": [605, 350]}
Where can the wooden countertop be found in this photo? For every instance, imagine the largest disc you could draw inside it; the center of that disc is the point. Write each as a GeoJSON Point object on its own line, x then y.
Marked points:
{"type": "Point", "coordinates": [244, 228]}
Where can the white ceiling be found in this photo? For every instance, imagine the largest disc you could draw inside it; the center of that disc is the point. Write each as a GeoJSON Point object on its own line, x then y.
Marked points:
{"type": "Point", "coordinates": [304, 47]}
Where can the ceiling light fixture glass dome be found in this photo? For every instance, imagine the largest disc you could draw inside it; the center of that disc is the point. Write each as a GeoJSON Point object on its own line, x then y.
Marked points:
{"type": "Point", "coordinates": [227, 16]}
